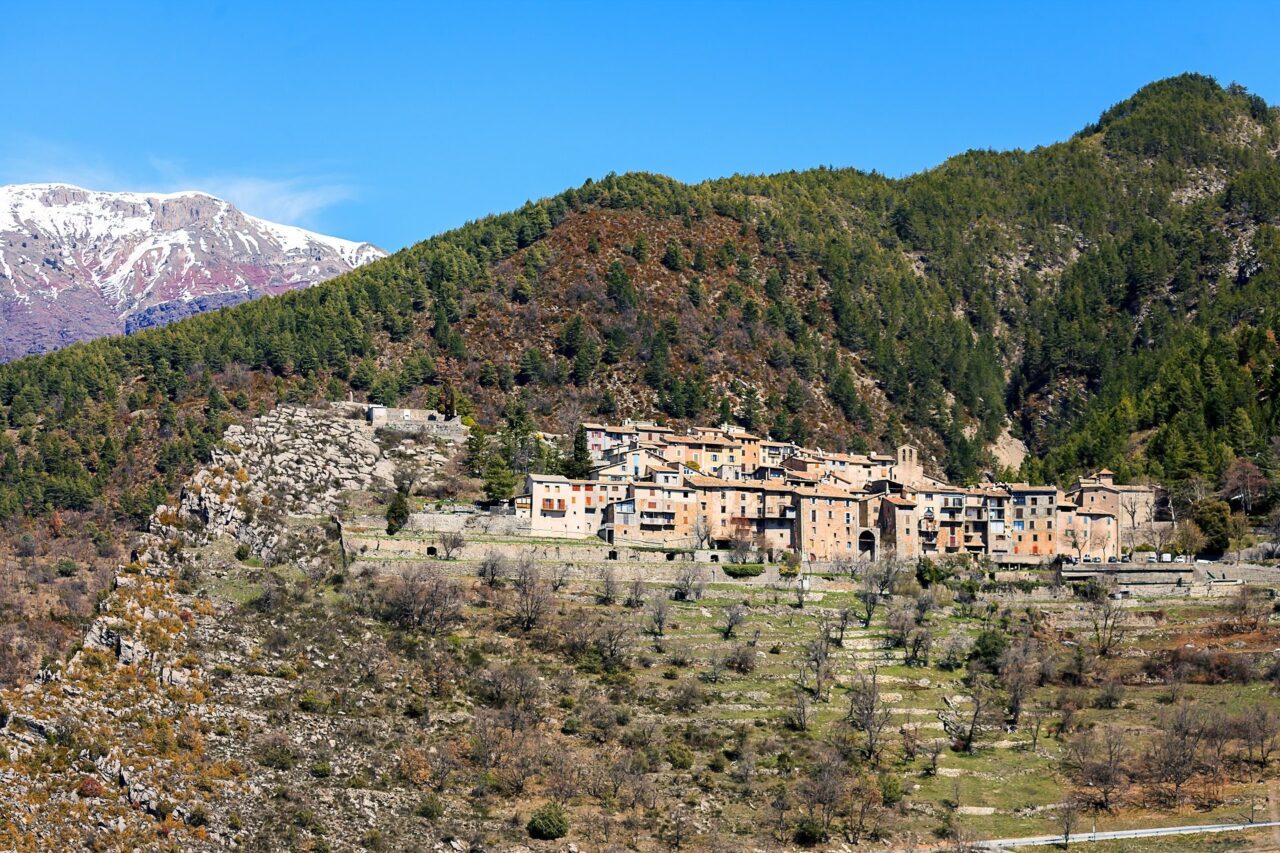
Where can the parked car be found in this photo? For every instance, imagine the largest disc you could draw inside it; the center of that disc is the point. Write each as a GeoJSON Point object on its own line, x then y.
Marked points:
{"type": "Point", "coordinates": [1202, 561]}
{"type": "Point", "coordinates": [1152, 558]}
{"type": "Point", "coordinates": [1112, 560]}
{"type": "Point", "coordinates": [1166, 558]}
{"type": "Point", "coordinates": [1126, 559]}
{"type": "Point", "coordinates": [1181, 558]}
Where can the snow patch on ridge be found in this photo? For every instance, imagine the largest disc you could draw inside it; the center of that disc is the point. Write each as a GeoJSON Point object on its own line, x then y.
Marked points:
{"type": "Point", "coordinates": [82, 262]}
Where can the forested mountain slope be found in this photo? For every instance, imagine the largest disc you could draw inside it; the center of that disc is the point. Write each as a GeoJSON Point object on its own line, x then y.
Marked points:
{"type": "Point", "coordinates": [1112, 298]}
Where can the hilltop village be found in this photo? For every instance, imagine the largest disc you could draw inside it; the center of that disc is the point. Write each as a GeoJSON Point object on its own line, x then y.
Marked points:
{"type": "Point", "coordinates": [726, 488]}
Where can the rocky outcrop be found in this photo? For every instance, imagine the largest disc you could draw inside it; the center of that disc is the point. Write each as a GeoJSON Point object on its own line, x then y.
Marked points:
{"type": "Point", "coordinates": [293, 461]}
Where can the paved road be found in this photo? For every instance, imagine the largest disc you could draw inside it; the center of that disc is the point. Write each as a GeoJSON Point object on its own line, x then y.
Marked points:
{"type": "Point", "coordinates": [1080, 837]}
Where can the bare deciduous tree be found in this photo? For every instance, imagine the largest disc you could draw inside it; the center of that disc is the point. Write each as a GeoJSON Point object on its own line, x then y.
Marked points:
{"type": "Point", "coordinates": [1019, 667]}
{"type": "Point", "coordinates": [533, 594]}
{"type": "Point", "coordinates": [701, 532]}
{"type": "Point", "coordinates": [452, 543]}
{"type": "Point", "coordinates": [1175, 754]}
{"type": "Point", "coordinates": [424, 600]}
{"type": "Point", "coordinates": [560, 576]}
{"type": "Point", "coordinates": [866, 805]}
{"type": "Point", "coordinates": [869, 600]}
{"type": "Point", "coordinates": [868, 712]}
{"type": "Point", "coordinates": [813, 668]}
{"type": "Point", "coordinates": [1107, 623]}
{"type": "Point", "coordinates": [968, 721]}
{"type": "Point", "coordinates": [843, 620]}
{"type": "Point", "coordinates": [1099, 765]}
{"type": "Point", "coordinates": [740, 545]}
{"type": "Point", "coordinates": [689, 584]}
{"type": "Point", "coordinates": [918, 646]}
{"type": "Point", "coordinates": [822, 790]}
{"type": "Point", "coordinates": [492, 569]}
{"type": "Point", "coordinates": [608, 586]}
{"type": "Point", "coordinates": [1258, 729]}
{"type": "Point", "coordinates": [613, 642]}
{"type": "Point", "coordinates": [799, 716]}
{"type": "Point", "coordinates": [1068, 819]}
{"type": "Point", "coordinates": [1251, 607]}
{"type": "Point", "coordinates": [733, 617]}
{"type": "Point", "coordinates": [1131, 504]}
{"type": "Point", "coordinates": [659, 613]}
{"type": "Point", "coordinates": [635, 593]}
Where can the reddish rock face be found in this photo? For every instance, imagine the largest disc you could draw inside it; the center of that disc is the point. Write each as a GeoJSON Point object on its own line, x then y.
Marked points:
{"type": "Point", "coordinates": [77, 264]}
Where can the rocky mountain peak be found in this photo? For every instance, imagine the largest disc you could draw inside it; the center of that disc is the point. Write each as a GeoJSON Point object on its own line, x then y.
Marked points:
{"type": "Point", "coordinates": [76, 263]}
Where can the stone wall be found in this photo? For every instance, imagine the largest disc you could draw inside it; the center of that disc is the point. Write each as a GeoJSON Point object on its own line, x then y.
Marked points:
{"type": "Point", "coordinates": [577, 566]}
{"type": "Point", "coordinates": [468, 519]}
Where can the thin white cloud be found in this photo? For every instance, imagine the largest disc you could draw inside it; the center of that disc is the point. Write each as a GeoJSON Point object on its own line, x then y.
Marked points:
{"type": "Point", "coordinates": [27, 160]}
{"type": "Point", "coordinates": [296, 199]}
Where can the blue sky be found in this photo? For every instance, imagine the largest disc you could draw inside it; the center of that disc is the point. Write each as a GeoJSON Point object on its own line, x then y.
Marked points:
{"type": "Point", "coordinates": [390, 122]}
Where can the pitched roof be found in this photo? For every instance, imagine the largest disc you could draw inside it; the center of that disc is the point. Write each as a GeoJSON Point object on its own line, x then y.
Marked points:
{"type": "Point", "coordinates": [704, 441]}
{"type": "Point", "coordinates": [826, 490]}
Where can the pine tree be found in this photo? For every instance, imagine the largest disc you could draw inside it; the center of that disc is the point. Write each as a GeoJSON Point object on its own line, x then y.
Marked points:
{"type": "Point", "coordinates": [499, 479]}
{"type": "Point", "coordinates": [673, 258]}
{"type": "Point", "coordinates": [578, 466]}
{"type": "Point", "coordinates": [618, 286]}
{"type": "Point", "coordinates": [397, 513]}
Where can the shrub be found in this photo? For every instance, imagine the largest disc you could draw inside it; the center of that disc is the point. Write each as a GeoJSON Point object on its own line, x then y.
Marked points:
{"type": "Point", "coordinates": [416, 708]}
{"type": "Point", "coordinates": [743, 570]}
{"type": "Point", "coordinates": [548, 823]}
{"type": "Point", "coordinates": [430, 808]}
{"type": "Point", "coordinates": [67, 567]}
{"type": "Point", "coordinates": [680, 756]}
{"type": "Point", "coordinates": [312, 702]}
{"type": "Point", "coordinates": [809, 832]}
{"type": "Point", "coordinates": [242, 552]}
{"type": "Point", "coordinates": [90, 786]}
{"type": "Point", "coordinates": [891, 792]}
{"type": "Point", "coordinates": [277, 753]}
{"type": "Point", "coordinates": [741, 660]}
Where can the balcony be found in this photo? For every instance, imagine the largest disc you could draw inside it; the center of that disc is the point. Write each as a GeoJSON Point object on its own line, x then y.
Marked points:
{"type": "Point", "coordinates": [657, 521]}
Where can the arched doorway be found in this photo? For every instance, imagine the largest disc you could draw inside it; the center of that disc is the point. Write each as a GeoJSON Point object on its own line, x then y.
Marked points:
{"type": "Point", "coordinates": [867, 546]}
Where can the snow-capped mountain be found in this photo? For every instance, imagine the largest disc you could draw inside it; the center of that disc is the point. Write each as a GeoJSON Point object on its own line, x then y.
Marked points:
{"type": "Point", "coordinates": [76, 264]}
